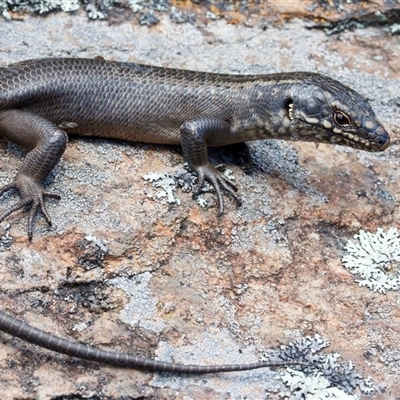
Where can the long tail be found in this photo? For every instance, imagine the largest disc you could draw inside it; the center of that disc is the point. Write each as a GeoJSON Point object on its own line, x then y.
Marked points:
{"type": "Point", "coordinates": [24, 331]}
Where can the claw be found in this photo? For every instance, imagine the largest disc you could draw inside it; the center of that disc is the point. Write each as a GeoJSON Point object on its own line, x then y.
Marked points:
{"type": "Point", "coordinates": [219, 181]}
{"type": "Point", "coordinates": [45, 213]}
{"type": "Point", "coordinates": [31, 216]}
{"type": "Point", "coordinates": [52, 195]}
{"type": "Point", "coordinates": [32, 194]}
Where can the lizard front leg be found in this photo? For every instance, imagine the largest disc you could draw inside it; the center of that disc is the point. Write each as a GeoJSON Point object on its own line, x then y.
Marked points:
{"type": "Point", "coordinates": [195, 135]}
{"type": "Point", "coordinates": [45, 143]}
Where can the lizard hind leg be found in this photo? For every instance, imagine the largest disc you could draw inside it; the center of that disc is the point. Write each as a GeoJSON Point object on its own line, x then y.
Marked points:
{"type": "Point", "coordinates": [46, 143]}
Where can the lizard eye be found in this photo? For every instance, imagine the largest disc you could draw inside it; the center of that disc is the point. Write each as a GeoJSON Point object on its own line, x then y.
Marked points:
{"type": "Point", "coordinates": [341, 118]}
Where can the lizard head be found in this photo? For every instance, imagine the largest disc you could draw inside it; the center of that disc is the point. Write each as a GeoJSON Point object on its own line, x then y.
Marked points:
{"type": "Point", "coordinates": [337, 114]}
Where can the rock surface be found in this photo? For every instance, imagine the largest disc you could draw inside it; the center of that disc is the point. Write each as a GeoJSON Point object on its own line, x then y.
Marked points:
{"type": "Point", "coordinates": [130, 268]}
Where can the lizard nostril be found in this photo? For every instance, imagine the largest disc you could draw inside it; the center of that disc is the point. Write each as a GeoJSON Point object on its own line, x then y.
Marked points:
{"type": "Point", "coordinates": [382, 141]}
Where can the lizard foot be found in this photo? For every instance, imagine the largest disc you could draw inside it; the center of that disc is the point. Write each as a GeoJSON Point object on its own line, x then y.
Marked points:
{"type": "Point", "coordinates": [33, 195]}
{"type": "Point", "coordinates": [218, 180]}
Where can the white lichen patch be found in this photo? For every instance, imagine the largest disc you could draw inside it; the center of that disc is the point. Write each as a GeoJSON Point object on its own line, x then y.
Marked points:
{"type": "Point", "coordinates": [135, 5]}
{"type": "Point", "coordinates": [324, 376]}
{"type": "Point", "coordinates": [375, 258]}
{"type": "Point", "coordinates": [186, 180]}
{"type": "Point", "coordinates": [311, 387]}
{"type": "Point", "coordinates": [166, 185]}
{"type": "Point", "coordinates": [229, 174]}
{"type": "Point", "coordinates": [7, 7]}
{"type": "Point", "coordinates": [141, 310]}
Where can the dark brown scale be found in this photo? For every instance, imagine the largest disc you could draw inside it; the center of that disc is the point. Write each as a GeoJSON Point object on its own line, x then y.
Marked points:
{"type": "Point", "coordinates": [36, 336]}
{"type": "Point", "coordinates": [158, 105]}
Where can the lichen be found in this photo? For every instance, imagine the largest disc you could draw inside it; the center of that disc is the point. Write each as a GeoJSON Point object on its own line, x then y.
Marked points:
{"type": "Point", "coordinates": [5, 238]}
{"type": "Point", "coordinates": [312, 387]}
{"type": "Point", "coordinates": [95, 9]}
{"type": "Point", "coordinates": [36, 6]}
{"type": "Point", "coordinates": [141, 310]}
{"type": "Point", "coordinates": [167, 185]}
{"type": "Point", "coordinates": [185, 179]}
{"type": "Point", "coordinates": [148, 18]}
{"type": "Point", "coordinates": [135, 5]}
{"type": "Point", "coordinates": [92, 252]}
{"type": "Point", "coordinates": [375, 258]}
{"type": "Point", "coordinates": [324, 376]}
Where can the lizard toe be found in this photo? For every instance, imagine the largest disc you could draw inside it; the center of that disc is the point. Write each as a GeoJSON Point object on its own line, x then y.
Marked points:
{"type": "Point", "coordinates": [33, 195]}
{"type": "Point", "coordinates": [220, 183]}
{"type": "Point", "coordinates": [37, 205]}
{"type": "Point", "coordinates": [21, 204]}
{"type": "Point", "coordinates": [7, 187]}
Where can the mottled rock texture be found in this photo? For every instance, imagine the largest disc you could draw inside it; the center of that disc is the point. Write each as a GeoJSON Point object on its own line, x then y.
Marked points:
{"type": "Point", "coordinates": [124, 269]}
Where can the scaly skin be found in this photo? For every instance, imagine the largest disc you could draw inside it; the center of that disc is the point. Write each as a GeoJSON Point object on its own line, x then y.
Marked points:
{"type": "Point", "coordinates": [43, 100]}
{"type": "Point", "coordinates": [36, 336]}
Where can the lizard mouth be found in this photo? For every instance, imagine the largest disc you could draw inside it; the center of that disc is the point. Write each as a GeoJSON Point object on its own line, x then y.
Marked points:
{"type": "Point", "coordinates": [290, 111]}
{"type": "Point", "coordinates": [378, 140]}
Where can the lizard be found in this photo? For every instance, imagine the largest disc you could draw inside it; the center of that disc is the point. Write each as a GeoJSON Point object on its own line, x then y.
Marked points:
{"type": "Point", "coordinates": [43, 101]}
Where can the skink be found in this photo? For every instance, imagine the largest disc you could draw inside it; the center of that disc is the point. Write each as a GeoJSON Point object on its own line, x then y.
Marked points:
{"type": "Point", "coordinates": [41, 101]}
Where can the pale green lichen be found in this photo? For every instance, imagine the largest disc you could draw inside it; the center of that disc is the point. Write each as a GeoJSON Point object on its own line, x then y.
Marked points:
{"type": "Point", "coordinates": [325, 375]}
{"type": "Point", "coordinates": [166, 184]}
{"type": "Point", "coordinates": [95, 9]}
{"type": "Point", "coordinates": [311, 387]}
{"type": "Point", "coordinates": [375, 258]}
{"type": "Point", "coordinates": [135, 5]}
{"type": "Point", "coordinates": [37, 6]}
{"type": "Point", "coordinates": [186, 180]}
